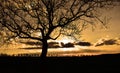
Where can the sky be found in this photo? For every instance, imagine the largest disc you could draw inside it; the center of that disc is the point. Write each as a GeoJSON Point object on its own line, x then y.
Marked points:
{"type": "Point", "coordinates": [113, 30]}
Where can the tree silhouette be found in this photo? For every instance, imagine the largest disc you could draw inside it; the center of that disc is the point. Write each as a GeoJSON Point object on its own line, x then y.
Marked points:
{"type": "Point", "coordinates": [49, 18]}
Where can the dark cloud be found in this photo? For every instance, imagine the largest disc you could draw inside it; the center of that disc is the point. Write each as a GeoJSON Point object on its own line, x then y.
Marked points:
{"type": "Point", "coordinates": [107, 42]}
{"type": "Point", "coordinates": [84, 43]}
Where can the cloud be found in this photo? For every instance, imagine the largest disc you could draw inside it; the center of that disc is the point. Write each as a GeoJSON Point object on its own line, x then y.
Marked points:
{"type": "Point", "coordinates": [106, 41]}
{"type": "Point", "coordinates": [84, 43]}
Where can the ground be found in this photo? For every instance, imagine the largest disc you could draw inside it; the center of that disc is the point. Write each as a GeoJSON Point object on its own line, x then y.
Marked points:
{"type": "Point", "coordinates": [87, 64]}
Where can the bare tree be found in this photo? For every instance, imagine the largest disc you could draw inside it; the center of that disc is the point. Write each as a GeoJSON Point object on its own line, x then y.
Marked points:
{"type": "Point", "coordinates": [24, 18]}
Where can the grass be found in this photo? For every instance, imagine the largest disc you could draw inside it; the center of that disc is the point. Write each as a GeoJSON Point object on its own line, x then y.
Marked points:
{"type": "Point", "coordinates": [84, 64]}
{"type": "Point", "coordinates": [93, 59]}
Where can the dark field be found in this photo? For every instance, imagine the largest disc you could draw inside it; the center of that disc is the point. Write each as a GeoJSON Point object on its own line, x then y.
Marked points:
{"type": "Point", "coordinates": [87, 64]}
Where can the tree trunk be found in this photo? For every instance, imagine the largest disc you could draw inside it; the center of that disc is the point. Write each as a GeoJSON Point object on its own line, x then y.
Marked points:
{"type": "Point", "coordinates": [44, 48]}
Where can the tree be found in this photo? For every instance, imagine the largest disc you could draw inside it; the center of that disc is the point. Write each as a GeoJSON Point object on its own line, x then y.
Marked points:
{"type": "Point", "coordinates": [24, 18]}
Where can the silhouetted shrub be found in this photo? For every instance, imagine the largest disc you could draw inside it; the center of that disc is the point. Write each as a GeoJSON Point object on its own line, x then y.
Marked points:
{"type": "Point", "coordinates": [3, 55]}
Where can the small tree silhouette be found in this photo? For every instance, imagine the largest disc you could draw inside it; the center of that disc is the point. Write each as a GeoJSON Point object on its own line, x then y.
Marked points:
{"type": "Point", "coordinates": [49, 18]}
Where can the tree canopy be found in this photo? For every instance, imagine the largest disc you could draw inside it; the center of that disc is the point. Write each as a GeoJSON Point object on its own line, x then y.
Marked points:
{"type": "Point", "coordinates": [48, 19]}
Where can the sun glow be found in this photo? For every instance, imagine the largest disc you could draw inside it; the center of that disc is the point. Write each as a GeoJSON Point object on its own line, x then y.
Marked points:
{"type": "Point", "coordinates": [63, 41]}
{"type": "Point", "coordinates": [66, 40]}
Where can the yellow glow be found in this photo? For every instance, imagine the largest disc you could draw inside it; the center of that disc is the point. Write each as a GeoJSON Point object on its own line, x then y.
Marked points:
{"type": "Point", "coordinates": [66, 40]}
{"type": "Point", "coordinates": [70, 49]}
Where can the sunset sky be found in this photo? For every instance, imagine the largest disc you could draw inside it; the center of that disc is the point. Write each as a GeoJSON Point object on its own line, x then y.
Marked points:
{"type": "Point", "coordinates": [94, 37]}
{"type": "Point", "coordinates": [113, 30]}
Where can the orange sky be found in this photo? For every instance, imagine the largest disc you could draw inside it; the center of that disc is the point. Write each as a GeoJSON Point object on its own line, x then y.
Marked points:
{"type": "Point", "coordinates": [113, 30]}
